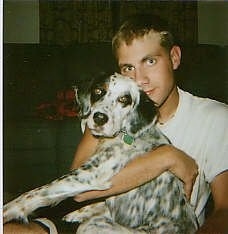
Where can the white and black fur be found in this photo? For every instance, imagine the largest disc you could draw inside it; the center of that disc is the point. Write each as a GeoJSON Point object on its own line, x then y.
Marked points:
{"type": "Point", "coordinates": [121, 115]}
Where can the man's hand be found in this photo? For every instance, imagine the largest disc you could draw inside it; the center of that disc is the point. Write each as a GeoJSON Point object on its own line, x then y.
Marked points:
{"type": "Point", "coordinates": [185, 168]}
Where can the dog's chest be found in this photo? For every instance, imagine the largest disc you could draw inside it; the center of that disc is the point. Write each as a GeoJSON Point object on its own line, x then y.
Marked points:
{"type": "Point", "coordinates": [117, 151]}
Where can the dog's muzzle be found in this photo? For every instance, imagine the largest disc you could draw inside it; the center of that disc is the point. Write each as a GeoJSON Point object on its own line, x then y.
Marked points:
{"type": "Point", "coordinates": [100, 118]}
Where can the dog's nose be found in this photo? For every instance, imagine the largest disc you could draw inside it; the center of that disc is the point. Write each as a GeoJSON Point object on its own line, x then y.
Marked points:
{"type": "Point", "coordinates": [100, 118]}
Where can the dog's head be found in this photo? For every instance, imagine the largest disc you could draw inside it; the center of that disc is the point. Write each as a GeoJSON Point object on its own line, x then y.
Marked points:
{"type": "Point", "coordinates": [113, 104]}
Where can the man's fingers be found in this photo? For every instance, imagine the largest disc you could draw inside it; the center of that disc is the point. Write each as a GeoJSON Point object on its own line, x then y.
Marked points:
{"type": "Point", "coordinates": [188, 186]}
{"type": "Point", "coordinates": [188, 190]}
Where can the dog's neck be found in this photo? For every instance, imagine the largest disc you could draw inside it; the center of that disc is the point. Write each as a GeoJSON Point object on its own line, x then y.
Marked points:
{"type": "Point", "coordinates": [128, 139]}
{"type": "Point", "coordinates": [128, 136]}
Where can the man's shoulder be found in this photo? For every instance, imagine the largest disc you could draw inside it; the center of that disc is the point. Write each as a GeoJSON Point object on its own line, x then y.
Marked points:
{"type": "Point", "coordinates": [205, 106]}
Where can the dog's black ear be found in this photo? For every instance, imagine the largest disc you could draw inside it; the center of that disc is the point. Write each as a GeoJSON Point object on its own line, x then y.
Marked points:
{"type": "Point", "coordinates": [144, 114]}
{"type": "Point", "coordinates": [82, 96]}
{"type": "Point", "coordinates": [82, 100]}
{"type": "Point", "coordinates": [147, 107]}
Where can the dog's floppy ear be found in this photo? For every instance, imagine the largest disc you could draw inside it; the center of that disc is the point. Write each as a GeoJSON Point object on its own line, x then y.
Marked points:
{"type": "Point", "coordinates": [82, 99]}
{"type": "Point", "coordinates": [146, 107]}
{"type": "Point", "coordinates": [145, 113]}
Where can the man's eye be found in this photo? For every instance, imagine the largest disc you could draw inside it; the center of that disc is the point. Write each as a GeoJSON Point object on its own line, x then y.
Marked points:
{"type": "Point", "coordinates": [125, 100]}
{"type": "Point", "coordinates": [151, 61]}
{"type": "Point", "coordinates": [127, 69]}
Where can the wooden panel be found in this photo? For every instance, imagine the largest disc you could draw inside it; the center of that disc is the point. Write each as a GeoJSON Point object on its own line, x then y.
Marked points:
{"type": "Point", "coordinates": [68, 22]}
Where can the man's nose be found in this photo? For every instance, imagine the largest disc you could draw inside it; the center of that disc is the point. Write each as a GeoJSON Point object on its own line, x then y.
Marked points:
{"type": "Point", "coordinates": [140, 77]}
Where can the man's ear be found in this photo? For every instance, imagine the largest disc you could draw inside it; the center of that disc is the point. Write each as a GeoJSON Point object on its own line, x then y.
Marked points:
{"type": "Point", "coordinates": [175, 56]}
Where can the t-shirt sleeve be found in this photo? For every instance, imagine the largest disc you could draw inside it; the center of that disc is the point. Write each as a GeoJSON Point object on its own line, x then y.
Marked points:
{"type": "Point", "coordinates": [217, 144]}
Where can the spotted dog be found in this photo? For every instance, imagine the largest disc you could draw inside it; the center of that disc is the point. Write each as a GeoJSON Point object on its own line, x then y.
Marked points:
{"type": "Point", "coordinates": [121, 115]}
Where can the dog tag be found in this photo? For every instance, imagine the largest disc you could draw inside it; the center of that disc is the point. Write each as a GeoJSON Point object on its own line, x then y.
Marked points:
{"type": "Point", "coordinates": [128, 139]}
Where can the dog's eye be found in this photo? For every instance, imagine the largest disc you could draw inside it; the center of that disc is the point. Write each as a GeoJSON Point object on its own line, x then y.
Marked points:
{"type": "Point", "coordinates": [125, 100]}
{"type": "Point", "coordinates": [97, 93]}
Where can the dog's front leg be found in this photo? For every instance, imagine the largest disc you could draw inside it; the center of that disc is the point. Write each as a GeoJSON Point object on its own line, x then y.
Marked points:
{"type": "Point", "coordinates": [69, 185]}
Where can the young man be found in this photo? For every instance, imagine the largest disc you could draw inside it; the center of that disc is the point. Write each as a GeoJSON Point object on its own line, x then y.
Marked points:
{"type": "Point", "coordinates": [146, 51]}
{"type": "Point", "coordinates": [198, 128]}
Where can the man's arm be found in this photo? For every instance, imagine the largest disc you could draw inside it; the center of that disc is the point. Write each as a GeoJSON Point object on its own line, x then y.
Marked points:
{"type": "Point", "coordinates": [85, 149]}
{"type": "Point", "coordinates": [147, 167]}
{"type": "Point", "coordinates": [20, 228]}
{"type": "Point", "coordinates": [217, 222]}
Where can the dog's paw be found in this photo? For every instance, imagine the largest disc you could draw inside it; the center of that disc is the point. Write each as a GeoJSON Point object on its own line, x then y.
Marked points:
{"type": "Point", "coordinates": [13, 212]}
{"type": "Point", "coordinates": [76, 216]}
{"type": "Point", "coordinates": [103, 185]}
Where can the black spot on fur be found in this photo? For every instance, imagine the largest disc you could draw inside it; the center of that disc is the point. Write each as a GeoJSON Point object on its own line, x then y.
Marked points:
{"type": "Point", "coordinates": [86, 166]}
{"type": "Point", "coordinates": [146, 108]}
{"type": "Point", "coordinates": [182, 202]}
{"type": "Point", "coordinates": [145, 113]}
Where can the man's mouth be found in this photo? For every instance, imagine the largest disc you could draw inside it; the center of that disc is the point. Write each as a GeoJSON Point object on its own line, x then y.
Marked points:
{"type": "Point", "coordinates": [149, 92]}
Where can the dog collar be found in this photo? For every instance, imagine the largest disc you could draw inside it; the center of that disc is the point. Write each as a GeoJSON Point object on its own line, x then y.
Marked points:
{"type": "Point", "coordinates": [127, 138]}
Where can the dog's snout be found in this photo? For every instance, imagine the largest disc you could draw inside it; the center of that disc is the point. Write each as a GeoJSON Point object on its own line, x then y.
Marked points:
{"type": "Point", "coordinates": [100, 118]}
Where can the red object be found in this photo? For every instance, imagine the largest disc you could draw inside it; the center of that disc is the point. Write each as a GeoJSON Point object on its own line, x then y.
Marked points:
{"type": "Point", "coordinates": [62, 107]}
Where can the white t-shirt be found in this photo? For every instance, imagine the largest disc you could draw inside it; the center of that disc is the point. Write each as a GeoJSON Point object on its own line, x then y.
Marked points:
{"type": "Point", "coordinates": [200, 128]}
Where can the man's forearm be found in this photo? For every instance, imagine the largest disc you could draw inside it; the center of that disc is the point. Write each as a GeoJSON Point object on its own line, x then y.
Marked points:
{"type": "Point", "coordinates": [136, 173]}
{"type": "Point", "coordinates": [146, 168]}
{"type": "Point", "coordinates": [29, 228]}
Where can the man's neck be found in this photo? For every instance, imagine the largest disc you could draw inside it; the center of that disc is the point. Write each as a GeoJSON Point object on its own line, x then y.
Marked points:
{"type": "Point", "coordinates": [168, 109]}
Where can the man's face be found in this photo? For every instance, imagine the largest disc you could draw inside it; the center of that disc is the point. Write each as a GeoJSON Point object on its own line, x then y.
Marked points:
{"type": "Point", "coordinates": [150, 65]}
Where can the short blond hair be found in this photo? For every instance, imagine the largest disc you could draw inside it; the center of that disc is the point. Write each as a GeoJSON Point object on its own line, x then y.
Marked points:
{"type": "Point", "coordinates": [139, 25]}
